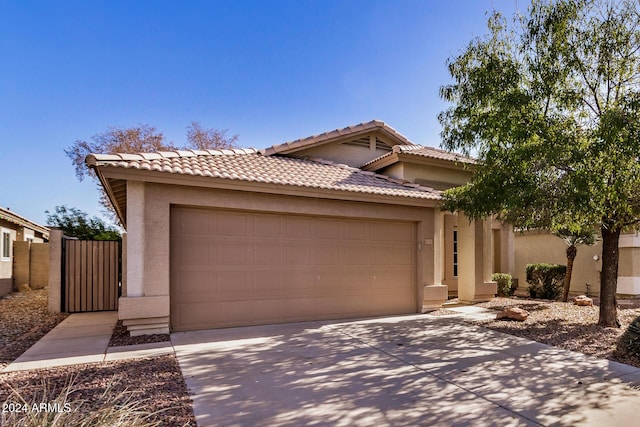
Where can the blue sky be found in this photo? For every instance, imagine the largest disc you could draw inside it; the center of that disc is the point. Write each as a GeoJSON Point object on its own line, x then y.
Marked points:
{"type": "Point", "coordinates": [269, 71]}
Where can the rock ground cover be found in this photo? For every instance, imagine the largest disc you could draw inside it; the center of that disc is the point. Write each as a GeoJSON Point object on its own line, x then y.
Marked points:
{"type": "Point", "coordinates": [24, 319]}
{"type": "Point", "coordinates": [562, 324]}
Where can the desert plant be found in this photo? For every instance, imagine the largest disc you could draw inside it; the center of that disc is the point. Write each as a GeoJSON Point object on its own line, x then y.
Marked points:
{"type": "Point", "coordinates": [629, 342]}
{"type": "Point", "coordinates": [573, 238]}
{"type": "Point", "coordinates": [545, 280]}
{"type": "Point", "coordinates": [505, 285]}
{"type": "Point", "coordinates": [49, 407]}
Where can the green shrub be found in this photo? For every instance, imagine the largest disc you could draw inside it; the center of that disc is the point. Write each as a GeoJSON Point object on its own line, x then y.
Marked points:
{"type": "Point", "coordinates": [545, 280]}
{"type": "Point", "coordinates": [505, 285]}
{"type": "Point", "coordinates": [629, 342]}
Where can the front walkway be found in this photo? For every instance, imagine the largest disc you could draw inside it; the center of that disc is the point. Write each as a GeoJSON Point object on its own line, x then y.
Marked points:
{"type": "Point", "coordinates": [82, 338]}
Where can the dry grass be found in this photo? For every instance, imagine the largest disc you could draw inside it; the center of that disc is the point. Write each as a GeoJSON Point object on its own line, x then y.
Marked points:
{"type": "Point", "coordinates": [564, 325]}
{"type": "Point", "coordinates": [129, 392]}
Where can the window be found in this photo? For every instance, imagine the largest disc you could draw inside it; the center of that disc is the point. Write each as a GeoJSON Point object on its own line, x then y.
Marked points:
{"type": "Point", "coordinates": [455, 253]}
{"type": "Point", "coordinates": [6, 245]}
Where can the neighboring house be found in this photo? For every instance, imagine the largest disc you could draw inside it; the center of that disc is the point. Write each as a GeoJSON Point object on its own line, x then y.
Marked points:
{"type": "Point", "coordinates": [338, 225]}
{"type": "Point", "coordinates": [14, 227]}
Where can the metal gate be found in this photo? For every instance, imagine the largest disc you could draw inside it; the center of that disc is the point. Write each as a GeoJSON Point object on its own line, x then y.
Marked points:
{"type": "Point", "coordinates": [90, 275]}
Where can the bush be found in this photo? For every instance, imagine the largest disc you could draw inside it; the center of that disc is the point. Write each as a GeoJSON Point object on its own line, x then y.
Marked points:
{"type": "Point", "coordinates": [545, 280]}
{"type": "Point", "coordinates": [505, 285]}
{"type": "Point", "coordinates": [629, 342]}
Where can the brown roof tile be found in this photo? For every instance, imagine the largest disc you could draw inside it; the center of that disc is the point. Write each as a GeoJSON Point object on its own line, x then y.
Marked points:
{"type": "Point", "coordinates": [249, 165]}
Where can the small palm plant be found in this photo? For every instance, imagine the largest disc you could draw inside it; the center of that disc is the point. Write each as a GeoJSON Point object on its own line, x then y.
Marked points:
{"type": "Point", "coordinates": [573, 238]}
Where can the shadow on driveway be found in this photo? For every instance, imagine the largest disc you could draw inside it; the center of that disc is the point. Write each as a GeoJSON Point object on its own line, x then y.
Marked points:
{"type": "Point", "coordinates": [400, 371]}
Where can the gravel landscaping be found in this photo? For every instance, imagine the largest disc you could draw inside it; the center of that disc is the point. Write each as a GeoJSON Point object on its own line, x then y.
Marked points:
{"type": "Point", "coordinates": [562, 324]}
{"type": "Point", "coordinates": [24, 319]}
{"type": "Point", "coordinates": [122, 337]}
{"type": "Point", "coordinates": [155, 383]}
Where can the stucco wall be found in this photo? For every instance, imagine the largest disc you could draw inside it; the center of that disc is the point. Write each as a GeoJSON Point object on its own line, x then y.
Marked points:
{"type": "Point", "coordinates": [543, 247]}
{"type": "Point", "coordinates": [352, 155]}
{"type": "Point", "coordinates": [417, 172]}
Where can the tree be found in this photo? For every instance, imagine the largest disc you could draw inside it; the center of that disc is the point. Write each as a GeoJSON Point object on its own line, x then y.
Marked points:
{"type": "Point", "coordinates": [573, 238]}
{"type": "Point", "coordinates": [75, 223]}
{"type": "Point", "coordinates": [206, 139]}
{"type": "Point", "coordinates": [141, 139]}
{"type": "Point", "coordinates": [551, 105]}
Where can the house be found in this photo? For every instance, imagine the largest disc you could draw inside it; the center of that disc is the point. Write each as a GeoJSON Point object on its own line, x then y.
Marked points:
{"type": "Point", "coordinates": [16, 228]}
{"type": "Point", "coordinates": [337, 225]}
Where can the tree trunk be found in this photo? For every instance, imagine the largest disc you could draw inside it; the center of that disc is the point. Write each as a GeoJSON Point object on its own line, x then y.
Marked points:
{"type": "Point", "coordinates": [572, 251]}
{"type": "Point", "coordinates": [609, 278]}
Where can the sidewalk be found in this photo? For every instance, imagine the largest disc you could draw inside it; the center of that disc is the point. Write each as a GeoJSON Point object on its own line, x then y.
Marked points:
{"type": "Point", "coordinates": [83, 338]}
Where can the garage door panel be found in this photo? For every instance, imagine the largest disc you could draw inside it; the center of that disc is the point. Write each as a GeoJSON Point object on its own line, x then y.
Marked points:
{"type": "Point", "coordinates": [196, 251]}
{"type": "Point", "coordinates": [401, 233]}
{"type": "Point", "coordinates": [298, 227]}
{"type": "Point", "coordinates": [355, 230]}
{"type": "Point", "coordinates": [232, 224]}
{"type": "Point", "coordinates": [268, 284]}
{"type": "Point", "coordinates": [328, 229]}
{"type": "Point", "coordinates": [354, 253]}
{"type": "Point", "coordinates": [232, 252]}
{"type": "Point", "coordinates": [245, 268]}
{"type": "Point", "coordinates": [297, 252]}
{"type": "Point", "coordinates": [399, 255]}
{"type": "Point", "coordinates": [193, 222]}
{"type": "Point", "coordinates": [325, 254]}
{"type": "Point", "coordinates": [267, 252]}
{"type": "Point", "coordinates": [231, 285]}
{"type": "Point", "coordinates": [267, 226]}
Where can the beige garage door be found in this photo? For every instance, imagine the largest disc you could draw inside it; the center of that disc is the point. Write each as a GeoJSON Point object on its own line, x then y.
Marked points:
{"type": "Point", "coordinates": [231, 268]}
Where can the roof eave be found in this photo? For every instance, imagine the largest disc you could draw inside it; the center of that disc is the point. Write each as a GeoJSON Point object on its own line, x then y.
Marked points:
{"type": "Point", "coordinates": [158, 177]}
{"type": "Point", "coordinates": [392, 158]}
{"type": "Point", "coordinates": [24, 222]}
{"type": "Point", "coordinates": [106, 185]}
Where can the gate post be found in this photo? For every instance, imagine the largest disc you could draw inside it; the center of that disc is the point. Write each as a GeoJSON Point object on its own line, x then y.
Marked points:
{"type": "Point", "coordinates": [55, 270]}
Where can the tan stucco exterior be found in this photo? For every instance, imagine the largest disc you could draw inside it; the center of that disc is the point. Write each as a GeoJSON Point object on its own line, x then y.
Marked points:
{"type": "Point", "coordinates": [347, 153]}
{"type": "Point", "coordinates": [428, 174]}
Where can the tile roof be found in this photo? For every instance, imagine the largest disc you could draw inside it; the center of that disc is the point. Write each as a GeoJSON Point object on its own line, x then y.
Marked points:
{"type": "Point", "coordinates": [349, 130]}
{"type": "Point", "coordinates": [423, 151]}
{"type": "Point", "coordinates": [250, 165]}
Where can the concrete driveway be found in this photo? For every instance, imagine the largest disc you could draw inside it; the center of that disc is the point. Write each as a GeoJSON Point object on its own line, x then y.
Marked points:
{"type": "Point", "coordinates": [397, 371]}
